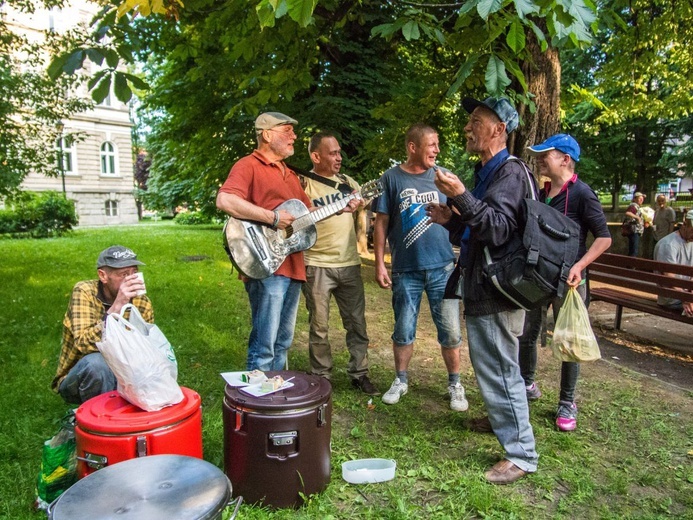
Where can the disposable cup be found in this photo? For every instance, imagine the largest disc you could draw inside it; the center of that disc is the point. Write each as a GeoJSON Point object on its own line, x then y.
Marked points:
{"type": "Point", "coordinates": [141, 278]}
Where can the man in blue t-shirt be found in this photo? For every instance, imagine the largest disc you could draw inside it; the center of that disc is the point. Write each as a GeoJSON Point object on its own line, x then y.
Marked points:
{"type": "Point", "coordinates": [422, 260]}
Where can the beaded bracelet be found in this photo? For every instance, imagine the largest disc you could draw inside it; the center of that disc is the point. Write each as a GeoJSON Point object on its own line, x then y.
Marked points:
{"type": "Point", "coordinates": [276, 220]}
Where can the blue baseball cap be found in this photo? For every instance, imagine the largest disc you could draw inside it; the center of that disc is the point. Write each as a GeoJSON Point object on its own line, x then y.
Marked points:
{"type": "Point", "coordinates": [561, 142]}
{"type": "Point", "coordinates": [499, 106]}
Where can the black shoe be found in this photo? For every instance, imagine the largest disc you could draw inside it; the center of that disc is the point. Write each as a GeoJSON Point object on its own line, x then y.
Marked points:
{"type": "Point", "coordinates": [365, 385]}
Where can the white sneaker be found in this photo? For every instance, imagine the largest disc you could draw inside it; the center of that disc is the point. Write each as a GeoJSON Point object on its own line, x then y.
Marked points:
{"type": "Point", "coordinates": [396, 391]}
{"type": "Point", "coordinates": [458, 401]}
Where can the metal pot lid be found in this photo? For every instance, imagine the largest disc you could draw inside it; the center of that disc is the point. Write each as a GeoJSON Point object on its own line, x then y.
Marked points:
{"type": "Point", "coordinates": [308, 391]}
{"type": "Point", "coordinates": [152, 488]}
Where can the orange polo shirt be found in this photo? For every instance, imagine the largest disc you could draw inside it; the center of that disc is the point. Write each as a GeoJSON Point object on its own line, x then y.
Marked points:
{"type": "Point", "coordinates": [267, 185]}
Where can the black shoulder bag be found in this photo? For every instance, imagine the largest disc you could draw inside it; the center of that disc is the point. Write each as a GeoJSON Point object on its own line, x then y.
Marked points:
{"type": "Point", "coordinates": [538, 269]}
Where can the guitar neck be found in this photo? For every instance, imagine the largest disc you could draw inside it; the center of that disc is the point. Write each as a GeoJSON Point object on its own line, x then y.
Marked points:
{"type": "Point", "coordinates": [321, 213]}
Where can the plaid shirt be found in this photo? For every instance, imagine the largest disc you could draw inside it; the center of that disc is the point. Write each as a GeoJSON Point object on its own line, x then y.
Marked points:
{"type": "Point", "coordinates": [84, 322]}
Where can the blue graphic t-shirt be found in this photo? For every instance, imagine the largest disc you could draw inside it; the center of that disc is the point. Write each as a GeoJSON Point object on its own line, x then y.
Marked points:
{"type": "Point", "coordinates": [414, 243]}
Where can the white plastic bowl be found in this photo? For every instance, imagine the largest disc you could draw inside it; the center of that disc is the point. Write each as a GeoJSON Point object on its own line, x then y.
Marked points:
{"type": "Point", "coordinates": [368, 471]}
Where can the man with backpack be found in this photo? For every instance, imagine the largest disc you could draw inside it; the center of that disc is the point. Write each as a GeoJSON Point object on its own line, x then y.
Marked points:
{"type": "Point", "coordinates": [556, 158]}
{"type": "Point", "coordinates": [491, 213]}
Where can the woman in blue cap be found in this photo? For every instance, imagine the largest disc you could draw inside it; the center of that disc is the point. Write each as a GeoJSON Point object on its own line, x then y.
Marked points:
{"type": "Point", "coordinates": [556, 158]}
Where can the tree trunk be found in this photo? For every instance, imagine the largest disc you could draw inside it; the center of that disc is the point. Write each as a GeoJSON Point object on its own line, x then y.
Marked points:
{"type": "Point", "coordinates": [361, 226]}
{"type": "Point", "coordinates": [640, 152]}
{"type": "Point", "coordinates": [648, 148]}
{"type": "Point", "coordinates": [543, 75]}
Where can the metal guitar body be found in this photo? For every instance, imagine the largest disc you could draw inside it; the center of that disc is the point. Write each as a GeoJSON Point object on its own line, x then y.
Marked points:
{"type": "Point", "coordinates": [257, 250]}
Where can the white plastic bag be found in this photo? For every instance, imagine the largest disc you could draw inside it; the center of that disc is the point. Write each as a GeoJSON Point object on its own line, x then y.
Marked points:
{"type": "Point", "coordinates": [142, 360]}
{"type": "Point", "coordinates": [573, 337]}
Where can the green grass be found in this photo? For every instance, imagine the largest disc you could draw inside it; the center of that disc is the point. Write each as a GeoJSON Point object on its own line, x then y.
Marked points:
{"type": "Point", "coordinates": [629, 458]}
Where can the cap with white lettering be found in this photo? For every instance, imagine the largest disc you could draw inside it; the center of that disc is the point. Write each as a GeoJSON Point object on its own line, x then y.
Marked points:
{"type": "Point", "coordinates": [117, 257]}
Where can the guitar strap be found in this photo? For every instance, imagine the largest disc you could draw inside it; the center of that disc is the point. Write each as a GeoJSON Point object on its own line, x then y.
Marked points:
{"type": "Point", "coordinates": [343, 187]}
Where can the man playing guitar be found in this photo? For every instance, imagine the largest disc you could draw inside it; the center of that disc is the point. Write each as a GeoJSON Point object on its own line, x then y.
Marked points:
{"type": "Point", "coordinates": [256, 185]}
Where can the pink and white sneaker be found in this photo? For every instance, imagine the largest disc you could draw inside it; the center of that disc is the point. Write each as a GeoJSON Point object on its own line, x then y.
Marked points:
{"type": "Point", "coordinates": [566, 416]}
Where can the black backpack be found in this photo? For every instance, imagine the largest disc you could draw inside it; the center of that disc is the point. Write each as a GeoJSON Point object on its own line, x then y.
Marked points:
{"type": "Point", "coordinates": [536, 271]}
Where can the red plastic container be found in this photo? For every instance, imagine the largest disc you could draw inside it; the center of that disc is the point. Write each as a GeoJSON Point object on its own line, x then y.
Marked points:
{"type": "Point", "coordinates": [108, 429]}
{"type": "Point", "coordinates": [277, 447]}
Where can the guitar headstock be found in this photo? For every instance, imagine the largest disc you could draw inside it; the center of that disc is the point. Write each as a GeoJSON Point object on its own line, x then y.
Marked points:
{"type": "Point", "coordinates": [371, 189]}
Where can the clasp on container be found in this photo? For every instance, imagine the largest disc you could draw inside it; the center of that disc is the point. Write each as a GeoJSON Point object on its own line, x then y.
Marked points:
{"type": "Point", "coordinates": [283, 438]}
{"type": "Point", "coordinates": [94, 461]}
{"type": "Point", "coordinates": [322, 415]}
{"type": "Point", "coordinates": [141, 446]}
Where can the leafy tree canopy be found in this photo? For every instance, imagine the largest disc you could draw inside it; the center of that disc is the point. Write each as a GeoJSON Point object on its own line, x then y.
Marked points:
{"type": "Point", "coordinates": [488, 36]}
{"type": "Point", "coordinates": [630, 95]}
{"type": "Point", "coordinates": [364, 69]}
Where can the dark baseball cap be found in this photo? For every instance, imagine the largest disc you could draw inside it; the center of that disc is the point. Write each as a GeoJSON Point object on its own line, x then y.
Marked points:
{"type": "Point", "coordinates": [117, 257]}
{"type": "Point", "coordinates": [500, 106]}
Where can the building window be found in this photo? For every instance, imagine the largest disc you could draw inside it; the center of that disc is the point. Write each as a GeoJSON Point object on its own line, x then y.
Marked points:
{"type": "Point", "coordinates": [65, 146]}
{"type": "Point", "coordinates": [111, 208]}
{"type": "Point", "coordinates": [108, 160]}
{"type": "Point", "coordinates": [106, 101]}
{"type": "Point", "coordinates": [54, 19]}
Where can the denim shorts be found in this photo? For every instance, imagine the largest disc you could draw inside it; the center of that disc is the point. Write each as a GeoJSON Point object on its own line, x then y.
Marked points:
{"type": "Point", "coordinates": [407, 291]}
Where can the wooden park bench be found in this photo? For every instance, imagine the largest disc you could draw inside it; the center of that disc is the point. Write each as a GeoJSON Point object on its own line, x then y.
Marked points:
{"type": "Point", "coordinates": [636, 282]}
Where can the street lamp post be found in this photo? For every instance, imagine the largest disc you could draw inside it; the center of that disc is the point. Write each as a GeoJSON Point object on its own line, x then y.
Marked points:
{"type": "Point", "coordinates": [61, 167]}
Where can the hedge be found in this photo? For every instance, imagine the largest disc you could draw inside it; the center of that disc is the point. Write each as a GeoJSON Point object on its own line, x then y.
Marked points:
{"type": "Point", "coordinates": [37, 215]}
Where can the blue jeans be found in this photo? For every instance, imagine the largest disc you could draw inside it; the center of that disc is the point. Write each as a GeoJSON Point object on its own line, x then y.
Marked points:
{"type": "Point", "coordinates": [528, 348]}
{"type": "Point", "coordinates": [493, 350]}
{"type": "Point", "coordinates": [407, 291]}
{"type": "Point", "coordinates": [88, 378]}
{"type": "Point", "coordinates": [633, 244]}
{"type": "Point", "coordinates": [273, 306]}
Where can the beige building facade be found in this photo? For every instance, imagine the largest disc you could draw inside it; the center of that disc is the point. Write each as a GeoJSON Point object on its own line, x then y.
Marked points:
{"type": "Point", "coordinates": [96, 145]}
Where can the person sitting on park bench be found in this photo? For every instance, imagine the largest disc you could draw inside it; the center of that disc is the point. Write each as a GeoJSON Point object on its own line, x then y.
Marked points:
{"type": "Point", "coordinates": [677, 248]}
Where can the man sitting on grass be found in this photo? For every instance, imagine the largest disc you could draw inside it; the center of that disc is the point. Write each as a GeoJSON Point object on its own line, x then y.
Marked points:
{"type": "Point", "coordinates": [82, 371]}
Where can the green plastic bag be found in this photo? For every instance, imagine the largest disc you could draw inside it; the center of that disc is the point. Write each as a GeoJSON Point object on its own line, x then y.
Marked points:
{"type": "Point", "coordinates": [58, 463]}
{"type": "Point", "coordinates": [573, 337]}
